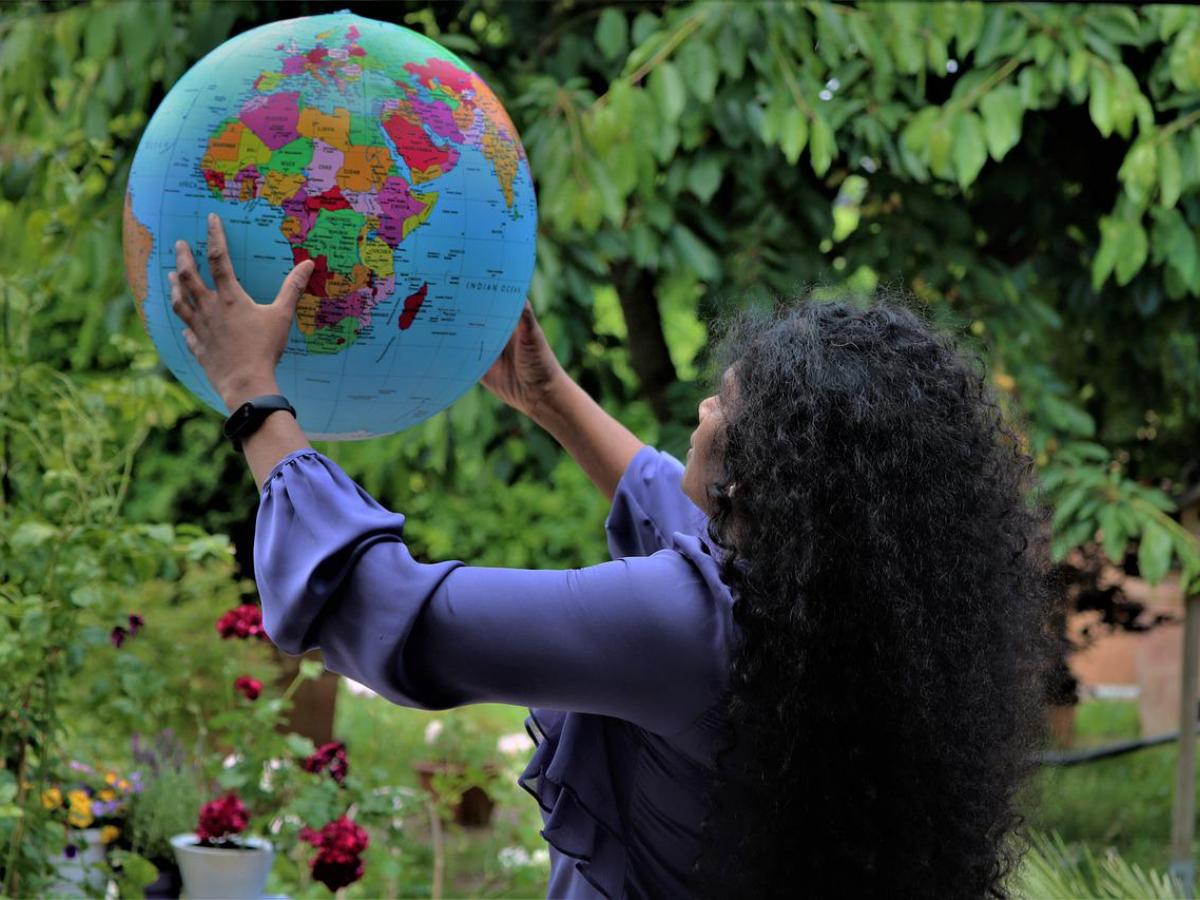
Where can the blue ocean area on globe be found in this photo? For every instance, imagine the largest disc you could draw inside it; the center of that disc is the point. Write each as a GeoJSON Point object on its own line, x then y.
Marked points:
{"type": "Point", "coordinates": [382, 157]}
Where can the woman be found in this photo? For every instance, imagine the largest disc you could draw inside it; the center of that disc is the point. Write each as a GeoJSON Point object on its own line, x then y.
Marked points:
{"type": "Point", "coordinates": [812, 665]}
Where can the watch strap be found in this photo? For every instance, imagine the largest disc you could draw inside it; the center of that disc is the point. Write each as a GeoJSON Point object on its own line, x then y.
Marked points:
{"type": "Point", "coordinates": [246, 419]}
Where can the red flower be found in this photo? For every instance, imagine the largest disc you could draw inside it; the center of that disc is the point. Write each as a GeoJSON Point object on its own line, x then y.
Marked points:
{"type": "Point", "coordinates": [244, 621]}
{"type": "Point", "coordinates": [117, 637]}
{"type": "Point", "coordinates": [250, 687]}
{"type": "Point", "coordinates": [221, 818]}
{"type": "Point", "coordinates": [135, 623]}
{"type": "Point", "coordinates": [339, 845]}
{"type": "Point", "coordinates": [331, 756]}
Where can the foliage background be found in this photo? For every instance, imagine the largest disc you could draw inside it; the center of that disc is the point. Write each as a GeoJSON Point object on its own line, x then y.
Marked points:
{"type": "Point", "coordinates": [1030, 171]}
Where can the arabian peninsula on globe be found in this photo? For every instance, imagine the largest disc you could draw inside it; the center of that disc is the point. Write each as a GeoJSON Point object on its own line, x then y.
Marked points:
{"type": "Point", "coordinates": [382, 157]}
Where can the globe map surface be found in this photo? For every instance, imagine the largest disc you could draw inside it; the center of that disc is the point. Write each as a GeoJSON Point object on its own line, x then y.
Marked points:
{"type": "Point", "coordinates": [382, 157]}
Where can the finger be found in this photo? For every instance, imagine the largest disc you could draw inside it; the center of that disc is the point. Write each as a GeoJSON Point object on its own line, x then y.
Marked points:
{"type": "Point", "coordinates": [181, 307]}
{"type": "Point", "coordinates": [192, 343]}
{"type": "Point", "coordinates": [293, 287]}
{"type": "Point", "coordinates": [189, 276]}
{"type": "Point", "coordinates": [218, 254]}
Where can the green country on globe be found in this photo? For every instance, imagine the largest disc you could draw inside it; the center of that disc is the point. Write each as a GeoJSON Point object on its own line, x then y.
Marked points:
{"type": "Point", "coordinates": [382, 157]}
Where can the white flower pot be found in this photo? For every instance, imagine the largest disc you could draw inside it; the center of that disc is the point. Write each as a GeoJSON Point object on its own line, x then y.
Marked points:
{"type": "Point", "coordinates": [81, 875]}
{"type": "Point", "coordinates": [221, 874]}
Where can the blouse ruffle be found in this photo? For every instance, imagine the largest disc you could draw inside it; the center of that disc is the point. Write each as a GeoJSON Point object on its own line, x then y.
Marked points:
{"type": "Point", "coordinates": [571, 772]}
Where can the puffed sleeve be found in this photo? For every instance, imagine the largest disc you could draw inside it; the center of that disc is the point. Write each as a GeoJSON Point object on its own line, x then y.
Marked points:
{"type": "Point", "coordinates": [649, 505]}
{"type": "Point", "coordinates": [639, 639]}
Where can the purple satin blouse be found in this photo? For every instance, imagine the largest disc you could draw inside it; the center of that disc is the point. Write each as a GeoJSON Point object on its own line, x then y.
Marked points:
{"type": "Point", "coordinates": [621, 664]}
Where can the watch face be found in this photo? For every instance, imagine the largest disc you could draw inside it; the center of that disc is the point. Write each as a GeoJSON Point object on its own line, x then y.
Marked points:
{"type": "Point", "coordinates": [239, 419]}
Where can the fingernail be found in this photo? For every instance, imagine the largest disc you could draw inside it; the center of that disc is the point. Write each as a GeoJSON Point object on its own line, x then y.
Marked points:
{"type": "Point", "coordinates": [212, 218]}
{"type": "Point", "coordinates": [179, 245]}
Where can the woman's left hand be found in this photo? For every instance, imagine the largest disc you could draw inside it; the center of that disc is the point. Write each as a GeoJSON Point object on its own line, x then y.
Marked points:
{"type": "Point", "coordinates": [237, 341]}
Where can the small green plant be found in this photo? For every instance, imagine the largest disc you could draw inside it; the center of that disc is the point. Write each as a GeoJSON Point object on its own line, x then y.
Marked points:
{"type": "Point", "coordinates": [1051, 868]}
{"type": "Point", "coordinates": [169, 800]}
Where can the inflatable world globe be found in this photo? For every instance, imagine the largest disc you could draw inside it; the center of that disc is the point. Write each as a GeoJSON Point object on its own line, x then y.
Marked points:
{"type": "Point", "coordinates": [377, 154]}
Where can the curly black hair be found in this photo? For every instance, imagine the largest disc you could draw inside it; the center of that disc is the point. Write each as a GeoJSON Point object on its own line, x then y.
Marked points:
{"type": "Point", "coordinates": [887, 549]}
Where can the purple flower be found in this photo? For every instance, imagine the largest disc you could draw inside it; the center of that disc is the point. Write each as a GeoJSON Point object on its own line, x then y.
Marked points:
{"type": "Point", "coordinates": [117, 637]}
{"type": "Point", "coordinates": [77, 766]}
{"type": "Point", "coordinates": [135, 622]}
{"type": "Point", "coordinates": [70, 850]}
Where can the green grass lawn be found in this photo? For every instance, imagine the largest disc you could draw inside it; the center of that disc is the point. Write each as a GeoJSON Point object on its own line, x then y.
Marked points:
{"type": "Point", "coordinates": [1122, 803]}
{"type": "Point", "coordinates": [383, 742]}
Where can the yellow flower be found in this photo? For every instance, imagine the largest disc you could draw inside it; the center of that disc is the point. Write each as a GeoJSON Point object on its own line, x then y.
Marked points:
{"type": "Point", "coordinates": [107, 794]}
{"type": "Point", "coordinates": [111, 777]}
{"type": "Point", "coordinates": [51, 798]}
{"type": "Point", "coordinates": [80, 801]}
{"type": "Point", "coordinates": [80, 819]}
{"type": "Point", "coordinates": [123, 785]}
{"type": "Point", "coordinates": [109, 833]}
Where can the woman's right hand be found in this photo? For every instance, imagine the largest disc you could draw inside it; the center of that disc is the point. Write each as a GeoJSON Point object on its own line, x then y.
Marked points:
{"type": "Point", "coordinates": [527, 371]}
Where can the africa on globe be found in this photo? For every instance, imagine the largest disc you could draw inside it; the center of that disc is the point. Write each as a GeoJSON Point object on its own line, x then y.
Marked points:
{"type": "Point", "coordinates": [380, 156]}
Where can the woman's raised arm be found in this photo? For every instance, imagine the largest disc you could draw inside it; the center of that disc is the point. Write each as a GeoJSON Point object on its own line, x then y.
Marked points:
{"type": "Point", "coordinates": [528, 377]}
{"type": "Point", "coordinates": [642, 639]}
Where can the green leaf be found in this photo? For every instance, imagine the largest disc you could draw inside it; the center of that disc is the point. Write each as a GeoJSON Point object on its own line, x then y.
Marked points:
{"type": "Point", "coordinates": [1077, 67]}
{"type": "Point", "coordinates": [821, 145]}
{"type": "Point", "coordinates": [1173, 242]}
{"type": "Point", "coordinates": [731, 50]}
{"type": "Point", "coordinates": [1184, 59]}
{"type": "Point", "coordinates": [968, 26]}
{"type": "Point", "coordinates": [1002, 114]}
{"type": "Point", "coordinates": [137, 872]}
{"type": "Point", "coordinates": [704, 176]}
{"type": "Point", "coordinates": [698, 66]}
{"type": "Point", "coordinates": [915, 136]}
{"type": "Point", "coordinates": [970, 147]}
{"type": "Point", "coordinates": [612, 33]}
{"type": "Point", "coordinates": [1106, 254]}
{"type": "Point", "coordinates": [1154, 552]}
{"type": "Point", "coordinates": [1131, 255]}
{"type": "Point", "coordinates": [793, 134]}
{"type": "Point", "coordinates": [847, 206]}
{"type": "Point", "coordinates": [32, 534]}
{"type": "Point", "coordinates": [1115, 538]}
{"type": "Point", "coordinates": [1066, 417]}
{"type": "Point", "coordinates": [941, 143]}
{"type": "Point", "coordinates": [1170, 173]}
{"type": "Point", "coordinates": [1068, 505]}
{"type": "Point", "coordinates": [695, 253]}
{"type": "Point", "coordinates": [298, 745]}
{"type": "Point", "coordinates": [666, 85]}
{"type": "Point", "coordinates": [1139, 171]}
{"type": "Point", "coordinates": [1100, 100]}
{"type": "Point", "coordinates": [1123, 100]}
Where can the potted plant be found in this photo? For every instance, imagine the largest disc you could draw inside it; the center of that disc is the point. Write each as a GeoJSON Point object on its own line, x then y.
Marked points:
{"type": "Point", "coordinates": [218, 860]}
{"type": "Point", "coordinates": [462, 768]}
{"type": "Point", "coordinates": [269, 794]}
{"type": "Point", "coordinates": [91, 807]}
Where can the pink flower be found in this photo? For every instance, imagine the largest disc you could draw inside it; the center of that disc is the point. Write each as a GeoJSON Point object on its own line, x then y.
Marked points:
{"type": "Point", "coordinates": [250, 687]}
{"type": "Point", "coordinates": [244, 621]}
{"type": "Point", "coordinates": [339, 845]}
{"type": "Point", "coordinates": [331, 756]}
{"type": "Point", "coordinates": [222, 818]}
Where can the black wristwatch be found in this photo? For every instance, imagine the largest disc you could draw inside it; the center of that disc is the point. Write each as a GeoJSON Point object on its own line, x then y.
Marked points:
{"type": "Point", "coordinates": [246, 419]}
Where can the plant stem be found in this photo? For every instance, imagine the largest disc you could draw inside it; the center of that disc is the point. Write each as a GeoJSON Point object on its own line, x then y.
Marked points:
{"type": "Point", "coordinates": [12, 882]}
{"type": "Point", "coordinates": [970, 97]}
{"type": "Point", "coordinates": [439, 852]}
